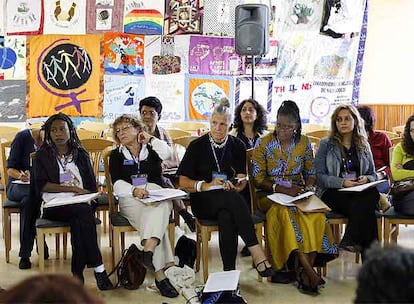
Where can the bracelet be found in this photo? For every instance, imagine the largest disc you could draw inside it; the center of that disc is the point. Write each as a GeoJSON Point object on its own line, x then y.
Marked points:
{"type": "Point", "coordinates": [274, 187]}
{"type": "Point", "coordinates": [198, 186]}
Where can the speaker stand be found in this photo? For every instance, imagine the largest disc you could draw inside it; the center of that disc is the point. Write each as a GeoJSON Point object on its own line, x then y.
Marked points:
{"type": "Point", "coordinates": [253, 64]}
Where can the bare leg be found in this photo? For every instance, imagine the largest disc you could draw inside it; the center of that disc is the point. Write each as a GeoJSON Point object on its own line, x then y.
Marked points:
{"type": "Point", "coordinates": [259, 256]}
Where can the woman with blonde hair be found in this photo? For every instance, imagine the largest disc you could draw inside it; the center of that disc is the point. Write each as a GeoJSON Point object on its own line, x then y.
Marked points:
{"type": "Point", "coordinates": [343, 160]}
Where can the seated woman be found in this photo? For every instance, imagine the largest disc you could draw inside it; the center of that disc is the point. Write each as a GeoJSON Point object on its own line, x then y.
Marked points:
{"type": "Point", "coordinates": [135, 167]}
{"type": "Point", "coordinates": [282, 162]}
{"type": "Point", "coordinates": [402, 167]}
{"type": "Point", "coordinates": [249, 124]}
{"type": "Point", "coordinates": [344, 159]}
{"type": "Point", "coordinates": [380, 145]}
{"type": "Point", "coordinates": [208, 171]}
{"type": "Point", "coordinates": [63, 165]}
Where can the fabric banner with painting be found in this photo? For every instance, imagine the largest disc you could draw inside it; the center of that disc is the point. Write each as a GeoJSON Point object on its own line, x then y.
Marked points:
{"type": "Point", "coordinates": [122, 95]}
{"type": "Point", "coordinates": [214, 56]}
{"type": "Point", "coordinates": [65, 17]}
{"type": "Point", "coordinates": [123, 53]}
{"type": "Point", "coordinates": [144, 17]}
{"type": "Point", "coordinates": [183, 17]}
{"type": "Point", "coordinates": [23, 17]}
{"type": "Point", "coordinates": [13, 99]}
{"type": "Point", "coordinates": [170, 91]}
{"type": "Point", "coordinates": [104, 16]}
{"type": "Point", "coordinates": [13, 63]}
{"type": "Point", "coordinates": [64, 74]}
{"type": "Point", "coordinates": [204, 92]}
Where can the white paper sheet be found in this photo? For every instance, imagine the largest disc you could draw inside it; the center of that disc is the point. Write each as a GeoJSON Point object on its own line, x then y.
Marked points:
{"type": "Point", "coordinates": [226, 280]}
{"type": "Point", "coordinates": [162, 195]}
{"type": "Point", "coordinates": [287, 200]}
{"type": "Point", "coordinates": [363, 187]}
{"type": "Point", "coordinates": [67, 198]}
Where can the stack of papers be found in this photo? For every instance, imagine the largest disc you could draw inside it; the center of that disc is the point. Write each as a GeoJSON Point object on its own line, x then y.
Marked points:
{"type": "Point", "coordinates": [162, 195]}
{"type": "Point", "coordinates": [221, 281]}
{"type": "Point", "coordinates": [306, 202]}
{"type": "Point", "coordinates": [363, 186]}
{"type": "Point", "coordinates": [287, 200]}
{"type": "Point", "coordinates": [68, 198]}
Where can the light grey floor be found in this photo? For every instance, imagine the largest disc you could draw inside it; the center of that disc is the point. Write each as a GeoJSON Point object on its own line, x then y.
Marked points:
{"type": "Point", "coordinates": [340, 286]}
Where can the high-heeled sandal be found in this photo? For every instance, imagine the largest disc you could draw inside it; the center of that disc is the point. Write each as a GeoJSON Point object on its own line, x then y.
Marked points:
{"type": "Point", "coordinates": [267, 272]}
{"type": "Point", "coordinates": [303, 287]}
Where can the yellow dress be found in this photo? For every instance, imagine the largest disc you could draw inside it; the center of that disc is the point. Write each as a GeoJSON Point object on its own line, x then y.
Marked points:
{"type": "Point", "coordinates": [288, 228]}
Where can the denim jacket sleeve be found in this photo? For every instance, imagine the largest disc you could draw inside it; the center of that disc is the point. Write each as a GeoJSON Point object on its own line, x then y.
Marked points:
{"type": "Point", "coordinates": [367, 166]}
{"type": "Point", "coordinates": [327, 164]}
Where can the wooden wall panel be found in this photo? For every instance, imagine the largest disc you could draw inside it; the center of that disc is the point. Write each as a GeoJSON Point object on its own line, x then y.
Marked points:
{"type": "Point", "coordinates": [391, 115]}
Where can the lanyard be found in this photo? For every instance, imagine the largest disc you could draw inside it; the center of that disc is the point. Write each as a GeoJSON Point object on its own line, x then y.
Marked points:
{"type": "Point", "coordinates": [136, 159]}
{"type": "Point", "coordinates": [289, 154]}
{"type": "Point", "coordinates": [221, 158]}
{"type": "Point", "coordinates": [66, 160]}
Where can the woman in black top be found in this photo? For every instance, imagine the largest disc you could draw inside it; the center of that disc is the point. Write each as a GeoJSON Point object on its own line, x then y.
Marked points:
{"type": "Point", "coordinates": [208, 171]}
{"type": "Point", "coordinates": [63, 165]}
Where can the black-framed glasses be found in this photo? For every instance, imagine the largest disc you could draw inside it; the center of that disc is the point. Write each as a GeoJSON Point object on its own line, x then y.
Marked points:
{"type": "Point", "coordinates": [285, 127]}
{"type": "Point", "coordinates": [122, 129]}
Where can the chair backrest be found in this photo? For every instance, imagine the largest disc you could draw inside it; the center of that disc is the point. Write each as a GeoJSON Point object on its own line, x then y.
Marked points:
{"type": "Point", "coordinates": [4, 149]}
{"type": "Point", "coordinates": [391, 150]}
{"type": "Point", "coordinates": [175, 133]}
{"type": "Point", "coordinates": [8, 133]}
{"type": "Point", "coordinates": [184, 140]}
{"type": "Point", "coordinates": [315, 141]}
{"type": "Point", "coordinates": [189, 125]}
{"type": "Point", "coordinates": [96, 126]}
{"type": "Point", "coordinates": [389, 133]}
{"type": "Point", "coordinates": [398, 129]}
{"type": "Point", "coordinates": [309, 127]}
{"type": "Point", "coordinates": [84, 134]}
{"type": "Point", "coordinates": [396, 140]}
{"type": "Point", "coordinates": [95, 147]}
{"type": "Point", "coordinates": [108, 180]}
{"type": "Point", "coordinates": [318, 133]}
{"type": "Point", "coordinates": [252, 188]}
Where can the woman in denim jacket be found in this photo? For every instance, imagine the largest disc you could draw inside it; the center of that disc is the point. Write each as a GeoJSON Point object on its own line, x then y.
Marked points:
{"type": "Point", "coordinates": [343, 160]}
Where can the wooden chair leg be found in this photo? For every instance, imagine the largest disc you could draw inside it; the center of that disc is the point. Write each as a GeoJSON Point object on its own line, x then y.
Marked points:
{"type": "Point", "coordinates": [122, 241]}
{"type": "Point", "coordinates": [65, 245]}
{"type": "Point", "coordinates": [7, 234]}
{"type": "Point", "coordinates": [171, 234]}
{"type": "Point", "coordinates": [57, 244]}
{"type": "Point", "coordinates": [198, 249]}
{"type": "Point", "coordinates": [379, 227]}
{"type": "Point", "coordinates": [259, 235]}
{"type": "Point", "coordinates": [41, 249]}
{"type": "Point", "coordinates": [105, 220]}
{"type": "Point", "coordinates": [386, 231]}
{"type": "Point", "coordinates": [116, 250]}
{"type": "Point", "coordinates": [205, 236]}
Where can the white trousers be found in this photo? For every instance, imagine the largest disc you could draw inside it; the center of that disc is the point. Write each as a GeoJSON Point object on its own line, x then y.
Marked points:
{"type": "Point", "coordinates": [151, 220]}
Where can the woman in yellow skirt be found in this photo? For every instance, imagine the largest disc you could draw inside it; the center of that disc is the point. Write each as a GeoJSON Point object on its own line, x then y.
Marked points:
{"type": "Point", "coordinates": [282, 162]}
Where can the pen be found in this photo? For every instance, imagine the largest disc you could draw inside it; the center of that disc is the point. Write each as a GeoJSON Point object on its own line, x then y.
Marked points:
{"type": "Point", "coordinates": [21, 173]}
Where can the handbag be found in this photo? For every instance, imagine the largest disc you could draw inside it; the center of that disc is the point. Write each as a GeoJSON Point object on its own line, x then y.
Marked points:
{"type": "Point", "coordinates": [402, 187]}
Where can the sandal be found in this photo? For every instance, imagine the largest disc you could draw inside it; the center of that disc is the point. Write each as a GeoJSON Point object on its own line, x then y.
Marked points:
{"type": "Point", "coordinates": [303, 287]}
{"type": "Point", "coordinates": [267, 272]}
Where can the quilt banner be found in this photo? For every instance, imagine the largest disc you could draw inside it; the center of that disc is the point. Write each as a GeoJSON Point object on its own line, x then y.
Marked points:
{"type": "Point", "coordinates": [64, 75]}
{"type": "Point", "coordinates": [203, 93]}
{"type": "Point", "coordinates": [122, 95]}
{"type": "Point", "coordinates": [13, 99]}
{"type": "Point", "coordinates": [214, 56]}
{"type": "Point", "coordinates": [65, 17]}
{"type": "Point", "coordinates": [123, 54]}
{"type": "Point", "coordinates": [263, 87]}
{"type": "Point", "coordinates": [144, 17]}
{"type": "Point", "coordinates": [13, 63]}
{"type": "Point", "coordinates": [183, 17]}
{"type": "Point", "coordinates": [104, 16]}
{"type": "Point", "coordinates": [24, 17]}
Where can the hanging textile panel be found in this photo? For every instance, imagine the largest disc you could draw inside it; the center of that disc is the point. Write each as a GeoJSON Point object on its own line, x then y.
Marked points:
{"type": "Point", "coordinates": [65, 75]}
{"type": "Point", "coordinates": [183, 17]}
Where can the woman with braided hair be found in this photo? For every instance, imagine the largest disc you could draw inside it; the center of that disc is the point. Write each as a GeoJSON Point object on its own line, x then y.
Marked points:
{"type": "Point", "coordinates": [63, 165]}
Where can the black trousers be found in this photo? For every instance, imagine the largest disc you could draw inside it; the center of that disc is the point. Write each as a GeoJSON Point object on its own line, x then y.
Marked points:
{"type": "Point", "coordinates": [359, 208]}
{"type": "Point", "coordinates": [84, 239]}
{"type": "Point", "coordinates": [29, 212]}
{"type": "Point", "coordinates": [233, 216]}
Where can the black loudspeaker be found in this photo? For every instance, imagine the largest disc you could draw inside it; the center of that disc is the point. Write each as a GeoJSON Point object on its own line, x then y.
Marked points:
{"type": "Point", "coordinates": [252, 29]}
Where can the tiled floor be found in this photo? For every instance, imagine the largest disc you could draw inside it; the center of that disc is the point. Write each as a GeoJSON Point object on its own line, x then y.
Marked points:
{"type": "Point", "coordinates": [340, 286]}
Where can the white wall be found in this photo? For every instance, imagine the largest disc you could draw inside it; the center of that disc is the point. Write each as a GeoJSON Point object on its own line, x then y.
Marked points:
{"type": "Point", "coordinates": [387, 73]}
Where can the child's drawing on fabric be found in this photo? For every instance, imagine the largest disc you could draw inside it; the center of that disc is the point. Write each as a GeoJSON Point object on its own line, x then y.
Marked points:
{"type": "Point", "coordinates": [123, 54]}
{"type": "Point", "coordinates": [13, 58]}
{"type": "Point", "coordinates": [144, 17]}
{"type": "Point", "coordinates": [183, 17]}
{"type": "Point", "coordinates": [65, 17]}
{"type": "Point", "coordinates": [23, 17]}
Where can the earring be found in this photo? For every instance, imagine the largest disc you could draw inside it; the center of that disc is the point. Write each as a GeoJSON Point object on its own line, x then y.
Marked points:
{"type": "Point", "coordinates": [295, 131]}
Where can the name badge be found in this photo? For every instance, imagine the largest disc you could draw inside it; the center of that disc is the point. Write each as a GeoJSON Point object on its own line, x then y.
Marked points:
{"type": "Point", "coordinates": [283, 183]}
{"type": "Point", "coordinates": [350, 175]}
{"type": "Point", "coordinates": [220, 175]}
{"type": "Point", "coordinates": [65, 177]}
{"type": "Point", "coordinates": [128, 162]}
{"type": "Point", "coordinates": [139, 180]}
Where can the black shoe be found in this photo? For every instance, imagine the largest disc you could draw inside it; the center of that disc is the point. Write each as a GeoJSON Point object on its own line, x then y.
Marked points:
{"type": "Point", "coordinates": [145, 258]}
{"type": "Point", "coordinates": [245, 252]}
{"type": "Point", "coordinates": [103, 281]}
{"type": "Point", "coordinates": [304, 287]}
{"type": "Point", "coordinates": [188, 219]}
{"type": "Point", "coordinates": [266, 272]}
{"type": "Point", "coordinates": [25, 263]}
{"type": "Point", "coordinates": [166, 289]}
{"type": "Point", "coordinates": [283, 277]}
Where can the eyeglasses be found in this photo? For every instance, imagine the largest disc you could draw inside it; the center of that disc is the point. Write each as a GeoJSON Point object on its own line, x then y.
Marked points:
{"type": "Point", "coordinates": [122, 129]}
{"type": "Point", "coordinates": [285, 127]}
{"type": "Point", "coordinates": [150, 113]}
